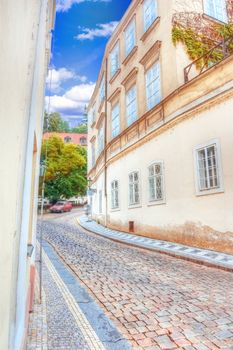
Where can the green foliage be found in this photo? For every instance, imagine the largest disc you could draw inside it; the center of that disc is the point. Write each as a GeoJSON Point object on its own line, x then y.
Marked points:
{"type": "Point", "coordinates": [53, 122]}
{"type": "Point", "coordinates": [81, 129]}
{"type": "Point", "coordinates": [198, 45]}
{"type": "Point", "coordinates": [66, 168]}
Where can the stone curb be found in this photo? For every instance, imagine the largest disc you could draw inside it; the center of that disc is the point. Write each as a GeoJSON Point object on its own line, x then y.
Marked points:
{"type": "Point", "coordinates": [199, 256]}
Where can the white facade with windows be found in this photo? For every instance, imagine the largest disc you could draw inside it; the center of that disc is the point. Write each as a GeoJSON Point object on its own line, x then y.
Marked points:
{"type": "Point", "coordinates": [167, 170]}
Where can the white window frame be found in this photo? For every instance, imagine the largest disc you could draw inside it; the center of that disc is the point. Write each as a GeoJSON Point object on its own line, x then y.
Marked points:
{"type": "Point", "coordinates": [211, 9]}
{"type": "Point", "coordinates": [150, 13]}
{"type": "Point", "coordinates": [115, 119]}
{"type": "Point", "coordinates": [115, 60]}
{"type": "Point", "coordinates": [100, 139]}
{"type": "Point", "coordinates": [130, 34]}
{"type": "Point", "coordinates": [134, 204]}
{"type": "Point", "coordinates": [150, 84]}
{"type": "Point", "coordinates": [115, 205]}
{"type": "Point", "coordinates": [102, 89]}
{"type": "Point", "coordinates": [100, 202]}
{"type": "Point", "coordinates": [131, 117]}
{"type": "Point", "coordinates": [157, 201]}
{"type": "Point", "coordinates": [210, 190]}
{"type": "Point", "coordinates": [93, 153]}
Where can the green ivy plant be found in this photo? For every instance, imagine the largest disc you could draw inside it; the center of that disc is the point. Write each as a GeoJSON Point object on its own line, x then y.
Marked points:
{"type": "Point", "coordinates": [198, 45]}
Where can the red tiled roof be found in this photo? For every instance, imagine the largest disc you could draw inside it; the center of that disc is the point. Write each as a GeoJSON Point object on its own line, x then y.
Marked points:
{"type": "Point", "coordinates": [75, 138]}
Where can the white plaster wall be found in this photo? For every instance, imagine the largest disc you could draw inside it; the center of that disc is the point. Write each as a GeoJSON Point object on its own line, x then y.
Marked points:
{"type": "Point", "coordinates": [175, 148]}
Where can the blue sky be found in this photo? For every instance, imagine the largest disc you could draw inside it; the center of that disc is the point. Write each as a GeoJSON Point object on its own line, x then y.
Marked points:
{"type": "Point", "coordinates": [82, 30]}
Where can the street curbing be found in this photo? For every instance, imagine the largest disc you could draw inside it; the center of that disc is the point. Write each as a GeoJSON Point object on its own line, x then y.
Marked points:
{"type": "Point", "coordinates": [199, 256]}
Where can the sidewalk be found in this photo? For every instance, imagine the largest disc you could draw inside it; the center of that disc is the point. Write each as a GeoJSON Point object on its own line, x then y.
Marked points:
{"type": "Point", "coordinates": [197, 255]}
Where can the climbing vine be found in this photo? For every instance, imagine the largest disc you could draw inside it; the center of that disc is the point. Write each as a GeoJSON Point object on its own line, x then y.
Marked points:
{"type": "Point", "coordinates": [200, 42]}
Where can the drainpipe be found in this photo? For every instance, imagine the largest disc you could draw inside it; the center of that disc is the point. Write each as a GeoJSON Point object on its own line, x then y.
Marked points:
{"type": "Point", "coordinates": [105, 143]}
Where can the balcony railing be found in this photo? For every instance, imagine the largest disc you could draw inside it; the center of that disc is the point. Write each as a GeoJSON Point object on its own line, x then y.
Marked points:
{"type": "Point", "coordinates": [218, 53]}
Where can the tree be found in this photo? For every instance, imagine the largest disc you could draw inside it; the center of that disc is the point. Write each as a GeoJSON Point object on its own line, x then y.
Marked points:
{"type": "Point", "coordinates": [54, 122]}
{"type": "Point", "coordinates": [66, 168]}
{"type": "Point", "coordinates": [81, 129]}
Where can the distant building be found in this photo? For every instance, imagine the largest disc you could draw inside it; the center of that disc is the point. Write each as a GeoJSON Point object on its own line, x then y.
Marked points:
{"type": "Point", "coordinates": [25, 39]}
{"type": "Point", "coordinates": [160, 127]}
{"type": "Point", "coordinates": [76, 139]}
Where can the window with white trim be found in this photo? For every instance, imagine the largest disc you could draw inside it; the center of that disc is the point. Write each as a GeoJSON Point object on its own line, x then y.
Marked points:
{"type": "Point", "coordinates": [130, 38]}
{"type": "Point", "coordinates": [102, 88]}
{"type": "Point", "coordinates": [216, 9]}
{"type": "Point", "coordinates": [115, 120]}
{"type": "Point", "coordinates": [134, 191]}
{"type": "Point", "coordinates": [153, 93]}
{"type": "Point", "coordinates": [100, 139]}
{"type": "Point", "coordinates": [150, 13]}
{"type": "Point", "coordinates": [131, 105]}
{"type": "Point", "coordinates": [93, 153]}
{"type": "Point", "coordinates": [114, 194]}
{"type": "Point", "coordinates": [208, 169]}
{"type": "Point", "coordinates": [115, 60]}
{"type": "Point", "coordinates": [100, 202]}
{"type": "Point", "coordinates": [156, 182]}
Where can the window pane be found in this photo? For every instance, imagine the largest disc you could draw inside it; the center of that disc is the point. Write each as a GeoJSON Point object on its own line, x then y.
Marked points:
{"type": "Point", "coordinates": [150, 13]}
{"type": "Point", "coordinates": [114, 60]}
{"type": "Point", "coordinates": [207, 168]}
{"type": "Point", "coordinates": [129, 38]}
{"type": "Point", "coordinates": [216, 9]}
{"type": "Point", "coordinates": [153, 86]}
{"type": "Point", "coordinates": [131, 105]}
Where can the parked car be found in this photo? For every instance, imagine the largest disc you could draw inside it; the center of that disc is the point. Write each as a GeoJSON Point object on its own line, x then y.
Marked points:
{"type": "Point", "coordinates": [61, 207]}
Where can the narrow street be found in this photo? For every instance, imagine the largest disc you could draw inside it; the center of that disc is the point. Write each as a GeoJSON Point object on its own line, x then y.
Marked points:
{"type": "Point", "coordinates": [155, 301]}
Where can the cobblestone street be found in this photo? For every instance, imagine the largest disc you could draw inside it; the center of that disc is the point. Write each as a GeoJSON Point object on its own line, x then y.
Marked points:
{"type": "Point", "coordinates": [155, 301]}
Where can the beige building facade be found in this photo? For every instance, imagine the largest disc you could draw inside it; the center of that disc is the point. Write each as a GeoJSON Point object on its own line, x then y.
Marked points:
{"type": "Point", "coordinates": [160, 128]}
{"type": "Point", "coordinates": [25, 43]}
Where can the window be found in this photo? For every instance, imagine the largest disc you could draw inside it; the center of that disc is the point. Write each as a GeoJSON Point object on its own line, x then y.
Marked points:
{"type": "Point", "coordinates": [114, 194]}
{"type": "Point", "coordinates": [93, 153]}
{"type": "Point", "coordinates": [216, 9]}
{"type": "Point", "coordinates": [101, 139]}
{"type": "Point", "coordinates": [131, 105]}
{"type": "Point", "coordinates": [150, 13]}
{"type": "Point", "coordinates": [102, 89]}
{"type": "Point", "coordinates": [115, 120]}
{"type": "Point", "coordinates": [153, 95]}
{"type": "Point", "coordinates": [130, 39]}
{"type": "Point", "coordinates": [67, 139]}
{"type": "Point", "coordinates": [114, 60]}
{"type": "Point", "coordinates": [83, 141]}
{"type": "Point", "coordinates": [100, 201]}
{"type": "Point", "coordinates": [208, 168]}
{"type": "Point", "coordinates": [134, 196]}
{"type": "Point", "coordinates": [156, 190]}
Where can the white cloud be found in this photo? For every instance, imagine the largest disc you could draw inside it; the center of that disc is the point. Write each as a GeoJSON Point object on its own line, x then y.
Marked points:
{"type": "Point", "coordinates": [101, 30]}
{"type": "Point", "coordinates": [72, 102]}
{"type": "Point", "coordinates": [56, 77]}
{"type": "Point", "coordinates": [65, 5]}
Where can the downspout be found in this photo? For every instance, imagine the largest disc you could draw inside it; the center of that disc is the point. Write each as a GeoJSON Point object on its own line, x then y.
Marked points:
{"type": "Point", "coordinates": [105, 143]}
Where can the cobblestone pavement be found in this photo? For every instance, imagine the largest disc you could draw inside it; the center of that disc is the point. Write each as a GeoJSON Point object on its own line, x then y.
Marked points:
{"type": "Point", "coordinates": [156, 301]}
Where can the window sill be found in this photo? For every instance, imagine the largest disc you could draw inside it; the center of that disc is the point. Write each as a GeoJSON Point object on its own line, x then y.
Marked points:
{"type": "Point", "coordinates": [114, 76]}
{"type": "Point", "coordinates": [130, 55]}
{"type": "Point", "coordinates": [155, 203]}
{"type": "Point", "coordinates": [150, 29]}
{"type": "Point", "coordinates": [134, 206]}
{"type": "Point", "coordinates": [209, 192]}
{"type": "Point", "coordinates": [115, 210]}
{"type": "Point", "coordinates": [213, 19]}
{"type": "Point", "coordinates": [101, 105]}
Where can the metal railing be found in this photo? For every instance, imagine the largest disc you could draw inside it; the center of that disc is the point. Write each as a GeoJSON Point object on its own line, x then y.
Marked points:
{"type": "Point", "coordinates": [218, 53]}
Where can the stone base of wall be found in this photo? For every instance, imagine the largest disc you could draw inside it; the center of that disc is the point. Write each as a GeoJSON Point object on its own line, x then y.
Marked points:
{"type": "Point", "coordinates": [190, 234]}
